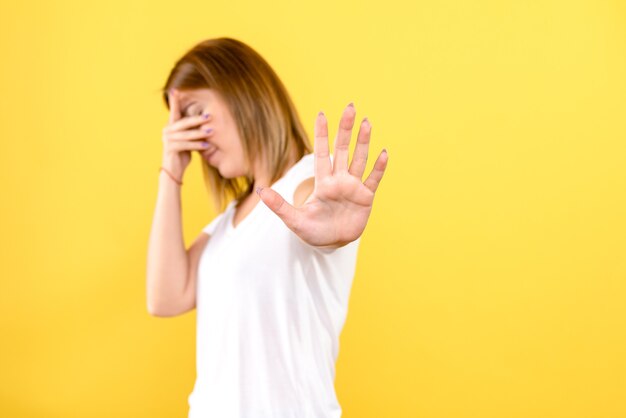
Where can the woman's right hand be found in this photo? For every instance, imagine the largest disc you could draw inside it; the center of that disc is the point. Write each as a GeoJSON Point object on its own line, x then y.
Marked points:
{"type": "Point", "coordinates": [178, 140]}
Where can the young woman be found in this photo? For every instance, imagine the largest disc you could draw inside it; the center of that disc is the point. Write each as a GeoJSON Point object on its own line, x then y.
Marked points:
{"type": "Point", "coordinates": [270, 276]}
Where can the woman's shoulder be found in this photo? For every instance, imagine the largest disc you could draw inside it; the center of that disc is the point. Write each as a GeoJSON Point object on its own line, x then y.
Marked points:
{"type": "Point", "coordinates": [212, 226]}
{"type": "Point", "coordinates": [304, 164]}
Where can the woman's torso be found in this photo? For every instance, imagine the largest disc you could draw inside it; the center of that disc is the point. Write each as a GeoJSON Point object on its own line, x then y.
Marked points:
{"type": "Point", "coordinates": [270, 309]}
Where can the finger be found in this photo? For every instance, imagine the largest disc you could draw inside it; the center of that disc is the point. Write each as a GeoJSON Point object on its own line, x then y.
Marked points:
{"type": "Point", "coordinates": [359, 159]}
{"type": "Point", "coordinates": [376, 175]}
{"type": "Point", "coordinates": [190, 134]}
{"type": "Point", "coordinates": [342, 140]}
{"type": "Point", "coordinates": [189, 146]}
{"type": "Point", "coordinates": [174, 106]}
{"type": "Point", "coordinates": [286, 212]}
{"type": "Point", "coordinates": [320, 147]}
{"type": "Point", "coordinates": [188, 122]}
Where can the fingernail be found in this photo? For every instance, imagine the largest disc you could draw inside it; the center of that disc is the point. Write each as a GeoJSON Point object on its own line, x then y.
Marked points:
{"type": "Point", "coordinates": [258, 190]}
{"type": "Point", "coordinates": [351, 104]}
{"type": "Point", "coordinates": [321, 113]}
{"type": "Point", "coordinates": [385, 150]}
{"type": "Point", "coordinates": [206, 115]}
{"type": "Point", "coordinates": [208, 130]}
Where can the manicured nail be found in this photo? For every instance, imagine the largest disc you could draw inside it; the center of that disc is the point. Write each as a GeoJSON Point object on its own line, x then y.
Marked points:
{"type": "Point", "coordinates": [321, 113]}
{"type": "Point", "coordinates": [351, 104]}
{"type": "Point", "coordinates": [208, 130]}
{"type": "Point", "coordinates": [206, 115]}
{"type": "Point", "coordinates": [385, 150]}
{"type": "Point", "coordinates": [205, 144]}
{"type": "Point", "coordinates": [258, 190]}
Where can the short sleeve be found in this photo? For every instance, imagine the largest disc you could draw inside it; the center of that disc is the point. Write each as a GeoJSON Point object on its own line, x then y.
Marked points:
{"type": "Point", "coordinates": [210, 228]}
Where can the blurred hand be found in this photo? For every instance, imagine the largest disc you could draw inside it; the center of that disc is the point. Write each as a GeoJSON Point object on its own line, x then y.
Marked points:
{"type": "Point", "coordinates": [337, 211]}
{"type": "Point", "coordinates": [179, 140]}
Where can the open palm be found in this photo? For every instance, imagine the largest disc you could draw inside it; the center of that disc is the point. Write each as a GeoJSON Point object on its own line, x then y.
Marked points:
{"type": "Point", "coordinates": [337, 211]}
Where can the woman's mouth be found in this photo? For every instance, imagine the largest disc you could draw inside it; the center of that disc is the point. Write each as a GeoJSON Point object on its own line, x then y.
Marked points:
{"type": "Point", "coordinates": [209, 155]}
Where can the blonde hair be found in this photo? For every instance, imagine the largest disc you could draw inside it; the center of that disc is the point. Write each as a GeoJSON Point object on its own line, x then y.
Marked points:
{"type": "Point", "coordinates": [266, 118]}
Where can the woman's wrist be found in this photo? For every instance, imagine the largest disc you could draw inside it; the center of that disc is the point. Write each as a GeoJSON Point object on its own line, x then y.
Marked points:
{"type": "Point", "coordinates": [171, 175]}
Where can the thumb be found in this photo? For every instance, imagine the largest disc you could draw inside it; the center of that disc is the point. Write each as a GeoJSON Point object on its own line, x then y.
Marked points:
{"type": "Point", "coordinates": [286, 212]}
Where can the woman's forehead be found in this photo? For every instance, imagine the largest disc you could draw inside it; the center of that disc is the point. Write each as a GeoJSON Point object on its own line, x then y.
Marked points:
{"type": "Point", "coordinates": [194, 94]}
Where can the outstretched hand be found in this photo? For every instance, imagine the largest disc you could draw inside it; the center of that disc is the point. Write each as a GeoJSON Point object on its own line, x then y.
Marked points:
{"type": "Point", "coordinates": [337, 211]}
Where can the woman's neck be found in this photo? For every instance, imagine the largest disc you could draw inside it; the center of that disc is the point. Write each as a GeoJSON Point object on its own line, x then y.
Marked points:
{"type": "Point", "coordinates": [261, 177]}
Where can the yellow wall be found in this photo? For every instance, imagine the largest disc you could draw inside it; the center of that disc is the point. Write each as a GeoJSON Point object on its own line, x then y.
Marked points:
{"type": "Point", "coordinates": [491, 278]}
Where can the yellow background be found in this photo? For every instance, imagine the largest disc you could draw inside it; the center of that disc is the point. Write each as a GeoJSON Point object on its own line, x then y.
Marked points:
{"type": "Point", "coordinates": [491, 277]}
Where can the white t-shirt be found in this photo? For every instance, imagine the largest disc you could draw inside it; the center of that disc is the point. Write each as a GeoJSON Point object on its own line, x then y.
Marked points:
{"type": "Point", "coordinates": [270, 309]}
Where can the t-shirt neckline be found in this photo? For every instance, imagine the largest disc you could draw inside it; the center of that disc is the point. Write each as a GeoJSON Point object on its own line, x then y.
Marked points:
{"type": "Point", "coordinates": [230, 227]}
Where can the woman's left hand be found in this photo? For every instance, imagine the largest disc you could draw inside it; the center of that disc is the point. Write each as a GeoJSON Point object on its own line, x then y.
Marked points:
{"type": "Point", "coordinates": [337, 211]}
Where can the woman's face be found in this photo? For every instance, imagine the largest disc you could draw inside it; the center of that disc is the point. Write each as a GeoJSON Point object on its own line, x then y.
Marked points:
{"type": "Point", "coordinates": [225, 151]}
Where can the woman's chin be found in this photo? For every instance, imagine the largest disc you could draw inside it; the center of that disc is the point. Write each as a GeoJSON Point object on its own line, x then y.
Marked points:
{"type": "Point", "coordinates": [229, 172]}
{"type": "Point", "coordinates": [214, 160]}
{"type": "Point", "coordinates": [225, 173]}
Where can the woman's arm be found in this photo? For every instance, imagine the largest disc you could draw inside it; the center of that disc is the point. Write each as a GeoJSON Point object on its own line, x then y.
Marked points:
{"type": "Point", "coordinates": [168, 263]}
{"type": "Point", "coordinates": [171, 269]}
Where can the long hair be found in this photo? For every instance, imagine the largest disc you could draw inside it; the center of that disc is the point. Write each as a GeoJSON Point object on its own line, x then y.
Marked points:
{"type": "Point", "coordinates": [266, 118]}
